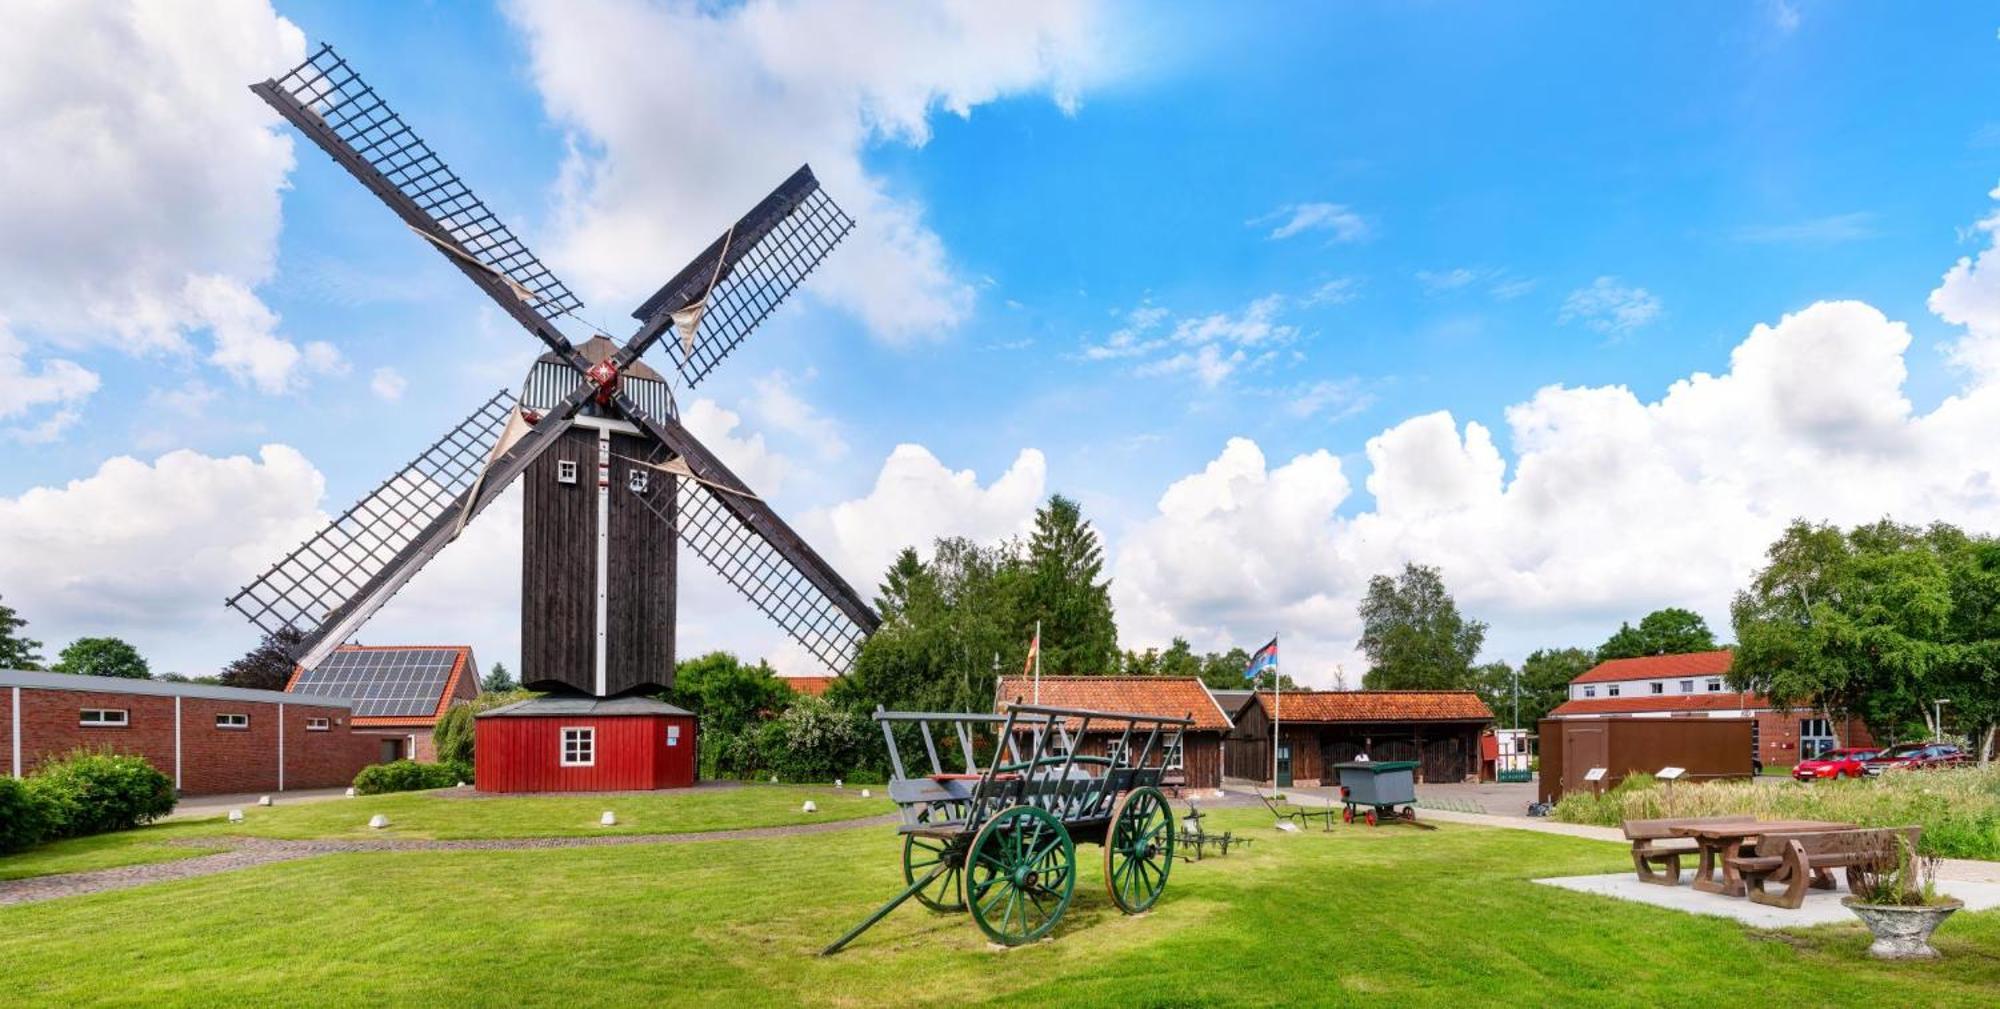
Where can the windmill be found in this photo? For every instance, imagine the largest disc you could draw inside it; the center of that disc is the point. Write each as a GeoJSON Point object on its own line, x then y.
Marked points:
{"type": "Point", "coordinates": [613, 479]}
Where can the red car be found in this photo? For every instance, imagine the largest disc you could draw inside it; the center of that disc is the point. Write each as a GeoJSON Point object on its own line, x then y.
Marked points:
{"type": "Point", "coordinates": [1915, 756]}
{"type": "Point", "coordinates": [1845, 763]}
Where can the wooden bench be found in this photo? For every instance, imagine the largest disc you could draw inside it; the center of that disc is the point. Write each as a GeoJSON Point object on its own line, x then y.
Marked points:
{"type": "Point", "coordinates": [1648, 851]}
{"type": "Point", "coordinates": [1804, 861]}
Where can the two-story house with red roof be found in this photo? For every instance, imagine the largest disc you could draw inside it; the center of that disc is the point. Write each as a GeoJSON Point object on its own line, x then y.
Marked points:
{"type": "Point", "coordinates": [1693, 685]}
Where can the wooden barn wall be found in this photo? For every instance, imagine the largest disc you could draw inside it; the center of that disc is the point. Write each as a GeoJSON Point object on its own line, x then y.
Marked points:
{"type": "Point", "coordinates": [1444, 751]}
{"type": "Point", "coordinates": [559, 568]}
{"type": "Point", "coordinates": [1706, 747]}
{"type": "Point", "coordinates": [525, 754]}
{"type": "Point", "coordinates": [640, 622]}
{"type": "Point", "coordinates": [1201, 754]}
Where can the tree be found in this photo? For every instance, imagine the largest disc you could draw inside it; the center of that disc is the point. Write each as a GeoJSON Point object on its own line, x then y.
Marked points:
{"type": "Point", "coordinates": [1543, 681]}
{"type": "Point", "coordinates": [951, 626]}
{"type": "Point", "coordinates": [499, 680]}
{"type": "Point", "coordinates": [1859, 623]}
{"type": "Point", "coordinates": [1065, 558]}
{"type": "Point", "coordinates": [269, 665]}
{"type": "Point", "coordinates": [1670, 631]}
{"type": "Point", "coordinates": [1413, 634]}
{"type": "Point", "coordinates": [17, 651]}
{"type": "Point", "coordinates": [1224, 670]}
{"type": "Point", "coordinates": [729, 694]}
{"type": "Point", "coordinates": [102, 657]}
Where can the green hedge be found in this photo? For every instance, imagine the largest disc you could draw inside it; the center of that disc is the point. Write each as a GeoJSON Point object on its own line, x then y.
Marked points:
{"type": "Point", "coordinates": [24, 816]}
{"type": "Point", "coordinates": [408, 776]}
{"type": "Point", "coordinates": [92, 793]}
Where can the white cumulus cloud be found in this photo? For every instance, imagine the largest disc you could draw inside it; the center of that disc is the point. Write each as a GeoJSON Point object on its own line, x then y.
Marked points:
{"type": "Point", "coordinates": [685, 114]}
{"type": "Point", "coordinates": [916, 499]}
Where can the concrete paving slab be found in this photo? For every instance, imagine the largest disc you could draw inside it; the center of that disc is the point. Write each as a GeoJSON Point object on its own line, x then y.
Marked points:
{"type": "Point", "coordinates": [1822, 907]}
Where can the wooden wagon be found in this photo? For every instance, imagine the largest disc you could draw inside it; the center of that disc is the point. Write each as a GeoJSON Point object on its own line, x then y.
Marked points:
{"type": "Point", "coordinates": [999, 840]}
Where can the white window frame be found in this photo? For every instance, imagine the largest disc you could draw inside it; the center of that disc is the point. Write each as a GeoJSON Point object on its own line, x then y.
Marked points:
{"type": "Point", "coordinates": [1589, 691]}
{"type": "Point", "coordinates": [234, 721]}
{"type": "Point", "coordinates": [1687, 686]}
{"type": "Point", "coordinates": [1611, 691]}
{"type": "Point", "coordinates": [1659, 687]}
{"type": "Point", "coordinates": [1175, 760]}
{"type": "Point", "coordinates": [565, 470]}
{"type": "Point", "coordinates": [586, 736]}
{"type": "Point", "coordinates": [123, 719]}
{"type": "Point", "coordinates": [639, 481]}
{"type": "Point", "coordinates": [1714, 685]}
{"type": "Point", "coordinates": [673, 734]}
{"type": "Point", "coordinates": [319, 725]}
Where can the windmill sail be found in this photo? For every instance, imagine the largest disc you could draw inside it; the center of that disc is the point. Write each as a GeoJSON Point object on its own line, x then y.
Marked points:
{"type": "Point", "coordinates": [716, 300]}
{"type": "Point", "coordinates": [337, 110]}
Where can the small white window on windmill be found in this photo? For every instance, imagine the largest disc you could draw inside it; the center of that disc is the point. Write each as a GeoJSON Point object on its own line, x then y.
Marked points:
{"type": "Point", "coordinates": [639, 481]}
{"type": "Point", "coordinates": [565, 470]}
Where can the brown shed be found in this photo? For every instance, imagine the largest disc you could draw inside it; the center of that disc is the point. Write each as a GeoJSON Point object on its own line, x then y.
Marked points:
{"type": "Point", "coordinates": [1197, 765]}
{"type": "Point", "coordinates": [1705, 747]}
{"type": "Point", "coordinates": [1439, 729]}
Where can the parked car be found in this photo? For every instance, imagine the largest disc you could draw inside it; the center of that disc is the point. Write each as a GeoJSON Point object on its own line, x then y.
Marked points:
{"type": "Point", "coordinates": [1842, 763]}
{"type": "Point", "coordinates": [1915, 756]}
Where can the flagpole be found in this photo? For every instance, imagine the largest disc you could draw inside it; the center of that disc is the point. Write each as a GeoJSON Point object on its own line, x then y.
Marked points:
{"type": "Point", "coordinates": [1277, 720]}
{"type": "Point", "coordinates": [1038, 662]}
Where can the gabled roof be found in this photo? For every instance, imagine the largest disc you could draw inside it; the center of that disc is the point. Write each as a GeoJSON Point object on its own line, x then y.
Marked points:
{"type": "Point", "coordinates": [40, 680]}
{"type": "Point", "coordinates": [1719, 701]}
{"type": "Point", "coordinates": [1378, 706]}
{"type": "Point", "coordinates": [1659, 667]}
{"type": "Point", "coordinates": [398, 685]}
{"type": "Point", "coordinates": [576, 707]}
{"type": "Point", "coordinates": [814, 685]}
{"type": "Point", "coordinates": [1168, 696]}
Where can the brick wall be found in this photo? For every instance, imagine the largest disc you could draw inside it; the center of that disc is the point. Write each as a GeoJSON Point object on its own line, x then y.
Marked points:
{"type": "Point", "coordinates": [212, 759]}
{"type": "Point", "coordinates": [1778, 735]}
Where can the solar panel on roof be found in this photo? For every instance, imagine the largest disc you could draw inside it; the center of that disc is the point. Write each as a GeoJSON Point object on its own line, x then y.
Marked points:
{"type": "Point", "coordinates": [383, 682]}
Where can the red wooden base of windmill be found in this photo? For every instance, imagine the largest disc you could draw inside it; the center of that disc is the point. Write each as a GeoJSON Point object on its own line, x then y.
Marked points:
{"type": "Point", "coordinates": [584, 744]}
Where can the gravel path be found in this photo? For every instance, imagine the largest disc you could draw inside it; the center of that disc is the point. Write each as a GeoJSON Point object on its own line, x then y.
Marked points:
{"type": "Point", "coordinates": [250, 851]}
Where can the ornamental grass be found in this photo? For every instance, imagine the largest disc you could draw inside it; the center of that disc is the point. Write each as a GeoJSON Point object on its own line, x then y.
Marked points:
{"type": "Point", "coordinates": [1958, 809]}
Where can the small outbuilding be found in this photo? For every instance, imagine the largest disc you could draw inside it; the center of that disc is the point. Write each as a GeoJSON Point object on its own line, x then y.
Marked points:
{"type": "Point", "coordinates": [584, 744]}
{"type": "Point", "coordinates": [1195, 764]}
{"type": "Point", "coordinates": [1438, 729]}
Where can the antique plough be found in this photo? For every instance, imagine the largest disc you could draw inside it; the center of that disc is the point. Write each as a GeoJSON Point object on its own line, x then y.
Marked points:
{"type": "Point", "coordinates": [1000, 841]}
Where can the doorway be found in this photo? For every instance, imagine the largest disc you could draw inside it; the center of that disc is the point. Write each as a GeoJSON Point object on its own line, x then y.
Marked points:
{"type": "Point", "coordinates": [392, 750]}
{"type": "Point", "coordinates": [1284, 765]}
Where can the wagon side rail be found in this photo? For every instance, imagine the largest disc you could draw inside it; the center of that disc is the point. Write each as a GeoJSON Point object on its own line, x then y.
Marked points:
{"type": "Point", "coordinates": [944, 783]}
{"type": "Point", "coordinates": [1063, 787]}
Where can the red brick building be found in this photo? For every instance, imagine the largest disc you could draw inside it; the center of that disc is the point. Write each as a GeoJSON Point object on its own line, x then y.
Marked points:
{"type": "Point", "coordinates": [1439, 729]}
{"type": "Point", "coordinates": [399, 691]}
{"type": "Point", "coordinates": [209, 740]}
{"type": "Point", "coordinates": [1196, 764]}
{"type": "Point", "coordinates": [1693, 686]}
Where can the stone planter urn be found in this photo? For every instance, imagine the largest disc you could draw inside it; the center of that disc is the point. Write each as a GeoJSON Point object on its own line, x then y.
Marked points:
{"type": "Point", "coordinates": [1902, 932]}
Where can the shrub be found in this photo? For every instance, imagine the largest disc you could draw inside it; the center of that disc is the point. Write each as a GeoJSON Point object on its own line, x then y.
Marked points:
{"type": "Point", "coordinates": [404, 776]}
{"type": "Point", "coordinates": [90, 793]}
{"type": "Point", "coordinates": [811, 741]}
{"type": "Point", "coordinates": [24, 816]}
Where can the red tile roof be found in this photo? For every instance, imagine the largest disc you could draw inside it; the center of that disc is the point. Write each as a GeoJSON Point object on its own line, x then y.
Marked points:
{"type": "Point", "coordinates": [1719, 701]}
{"type": "Point", "coordinates": [1171, 696]}
{"type": "Point", "coordinates": [1379, 706]}
{"type": "Point", "coordinates": [1659, 667]}
{"type": "Point", "coordinates": [814, 685]}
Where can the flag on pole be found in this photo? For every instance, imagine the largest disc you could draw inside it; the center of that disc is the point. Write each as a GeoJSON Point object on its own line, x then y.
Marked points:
{"type": "Point", "coordinates": [1034, 650]}
{"type": "Point", "coordinates": [1266, 658]}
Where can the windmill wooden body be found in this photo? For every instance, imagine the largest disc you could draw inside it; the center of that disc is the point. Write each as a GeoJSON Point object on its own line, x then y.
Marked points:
{"type": "Point", "coordinates": [614, 482]}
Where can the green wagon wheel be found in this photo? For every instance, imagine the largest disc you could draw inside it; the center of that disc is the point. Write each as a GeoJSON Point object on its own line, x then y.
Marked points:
{"type": "Point", "coordinates": [1019, 875]}
{"type": "Point", "coordinates": [1139, 850]}
{"type": "Point", "coordinates": [923, 854]}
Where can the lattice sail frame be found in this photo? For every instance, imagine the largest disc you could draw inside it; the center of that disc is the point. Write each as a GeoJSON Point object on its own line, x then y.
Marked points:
{"type": "Point", "coordinates": [764, 258]}
{"type": "Point", "coordinates": [348, 106]}
{"type": "Point", "coordinates": [320, 576]}
{"type": "Point", "coordinates": [757, 571]}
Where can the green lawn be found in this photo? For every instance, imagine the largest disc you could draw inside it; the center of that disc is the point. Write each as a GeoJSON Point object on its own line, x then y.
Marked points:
{"type": "Point", "coordinates": [431, 815]}
{"type": "Point", "coordinates": [1359, 916]}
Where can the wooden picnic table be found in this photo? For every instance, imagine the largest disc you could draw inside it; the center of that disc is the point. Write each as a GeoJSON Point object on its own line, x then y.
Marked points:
{"type": "Point", "coordinates": [1720, 842]}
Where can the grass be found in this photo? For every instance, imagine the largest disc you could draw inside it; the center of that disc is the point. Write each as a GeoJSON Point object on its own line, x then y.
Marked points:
{"type": "Point", "coordinates": [1354, 917]}
{"type": "Point", "coordinates": [445, 816]}
{"type": "Point", "coordinates": [1958, 809]}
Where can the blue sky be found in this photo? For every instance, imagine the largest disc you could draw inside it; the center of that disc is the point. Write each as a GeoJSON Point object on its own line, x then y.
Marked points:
{"type": "Point", "coordinates": [1387, 210]}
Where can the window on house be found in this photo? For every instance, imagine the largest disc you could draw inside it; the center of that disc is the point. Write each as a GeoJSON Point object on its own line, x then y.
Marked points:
{"type": "Point", "coordinates": [1815, 737]}
{"type": "Point", "coordinates": [1173, 761]}
{"type": "Point", "coordinates": [1714, 686]}
{"type": "Point", "coordinates": [1590, 691]}
{"type": "Point", "coordinates": [1659, 688]}
{"type": "Point", "coordinates": [317, 725]}
{"type": "Point", "coordinates": [1687, 686]}
{"type": "Point", "coordinates": [1117, 751]}
{"type": "Point", "coordinates": [232, 721]}
{"type": "Point", "coordinates": [103, 717]}
{"type": "Point", "coordinates": [673, 735]}
{"type": "Point", "coordinates": [565, 470]}
{"type": "Point", "coordinates": [639, 481]}
{"type": "Point", "coordinates": [579, 747]}
{"type": "Point", "coordinates": [1611, 691]}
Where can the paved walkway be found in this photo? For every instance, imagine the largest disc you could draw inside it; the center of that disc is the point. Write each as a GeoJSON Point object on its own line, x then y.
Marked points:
{"type": "Point", "coordinates": [197, 806]}
{"type": "Point", "coordinates": [251, 851]}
